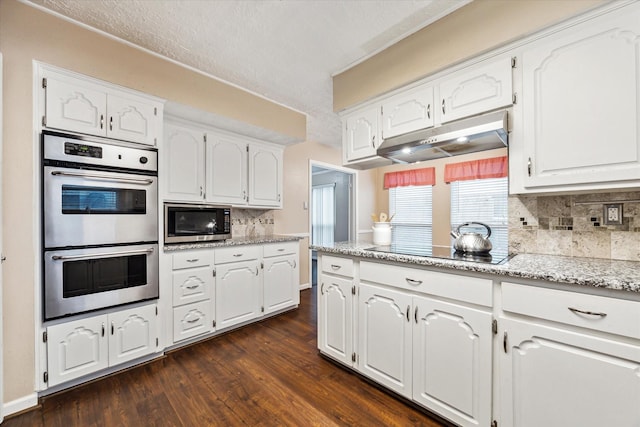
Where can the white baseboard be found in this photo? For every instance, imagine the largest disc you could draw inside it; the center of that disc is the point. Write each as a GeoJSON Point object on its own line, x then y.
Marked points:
{"type": "Point", "coordinates": [305, 286]}
{"type": "Point", "coordinates": [20, 404]}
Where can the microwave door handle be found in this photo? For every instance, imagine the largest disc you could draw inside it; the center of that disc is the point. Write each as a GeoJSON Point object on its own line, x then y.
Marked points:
{"type": "Point", "coordinates": [86, 256]}
{"type": "Point", "coordinates": [146, 181]}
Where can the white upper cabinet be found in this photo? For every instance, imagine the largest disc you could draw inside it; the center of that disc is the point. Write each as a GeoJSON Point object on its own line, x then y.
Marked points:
{"type": "Point", "coordinates": [580, 107]}
{"type": "Point", "coordinates": [226, 169]}
{"type": "Point", "coordinates": [265, 175]}
{"type": "Point", "coordinates": [479, 88]}
{"type": "Point", "coordinates": [408, 111]}
{"type": "Point", "coordinates": [76, 103]}
{"type": "Point", "coordinates": [361, 134]}
{"type": "Point", "coordinates": [183, 159]}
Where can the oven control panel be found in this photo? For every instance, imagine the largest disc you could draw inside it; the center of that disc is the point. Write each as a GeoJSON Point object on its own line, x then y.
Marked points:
{"type": "Point", "coordinates": [83, 150]}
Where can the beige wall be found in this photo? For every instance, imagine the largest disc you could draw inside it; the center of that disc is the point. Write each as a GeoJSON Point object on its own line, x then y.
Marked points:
{"type": "Point", "coordinates": [27, 34]}
{"type": "Point", "coordinates": [478, 27]}
{"type": "Point", "coordinates": [441, 191]}
{"type": "Point", "coordinates": [294, 218]}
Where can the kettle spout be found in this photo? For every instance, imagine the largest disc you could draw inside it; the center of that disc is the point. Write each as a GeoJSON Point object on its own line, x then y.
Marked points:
{"type": "Point", "coordinates": [454, 234]}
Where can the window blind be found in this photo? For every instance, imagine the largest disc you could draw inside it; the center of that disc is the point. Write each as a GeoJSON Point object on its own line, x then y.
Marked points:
{"type": "Point", "coordinates": [412, 223]}
{"type": "Point", "coordinates": [482, 200]}
{"type": "Point", "coordinates": [323, 218]}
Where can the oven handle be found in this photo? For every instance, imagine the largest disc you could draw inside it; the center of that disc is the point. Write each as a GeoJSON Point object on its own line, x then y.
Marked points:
{"type": "Point", "coordinates": [146, 181]}
{"type": "Point", "coordinates": [68, 257]}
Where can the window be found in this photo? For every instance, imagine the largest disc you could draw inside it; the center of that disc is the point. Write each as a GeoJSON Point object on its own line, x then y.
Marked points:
{"type": "Point", "coordinates": [323, 215]}
{"type": "Point", "coordinates": [412, 223]}
{"type": "Point", "coordinates": [482, 200]}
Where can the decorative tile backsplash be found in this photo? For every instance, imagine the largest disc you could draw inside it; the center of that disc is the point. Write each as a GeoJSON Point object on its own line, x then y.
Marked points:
{"type": "Point", "coordinates": [573, 225]}
{"type": "Point", "coordinates": [251, 222]}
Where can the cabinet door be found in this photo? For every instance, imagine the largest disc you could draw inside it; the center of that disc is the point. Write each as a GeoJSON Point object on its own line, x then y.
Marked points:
{"type": "Point", "coordinates": [362, 135]}
{"type": "Point", "coordinates": [554, 377]}
{"type": "Point", "coordinates": [192, 285]}
{"type": "Point", "coordinates": [335, 318]}
{"type": "Point", "coordinates": [132, 120]}
{"type": "Point", "coordinates": [76, 348]}
{"type": "Point", "coordinates": [385, 338]}
{"type": "Point", "coordinates": [238, 293]}
{"type": "Point", "coordinates": [133, 334]}
{"type": "Point", "coordinates": [74, 105]}
{"type": "Point", "coordinates": [408, 111]}
{"type": "Point", "coordinates": [265, 176]}
{"type": "Point", "coordinates": [485, 87]}
{"type": "Point", "coordinates": [581, 100]}
{"type": "Point", "coordinates": [280, 281]}
{"type": "Point", "coordinates": [452, 361]}
{"type": "Point", "coordinates": [226, 170]}
{"type": "Point", "coordinates": [183, 153]}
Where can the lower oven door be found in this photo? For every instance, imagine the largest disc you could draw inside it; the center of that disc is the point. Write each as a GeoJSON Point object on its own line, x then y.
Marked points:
{"type": "Point", "coordinates": [80, 280]}
{"type": "Point", "coordinates": [85, 207]}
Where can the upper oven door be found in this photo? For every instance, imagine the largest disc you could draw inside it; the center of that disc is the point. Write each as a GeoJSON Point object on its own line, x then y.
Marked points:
{"type": "Point", "coordinates": [87, 207]}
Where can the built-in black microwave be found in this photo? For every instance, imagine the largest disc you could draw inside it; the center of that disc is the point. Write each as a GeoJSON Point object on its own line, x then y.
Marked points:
{"type": "Point", "coordinates": [196, 223]}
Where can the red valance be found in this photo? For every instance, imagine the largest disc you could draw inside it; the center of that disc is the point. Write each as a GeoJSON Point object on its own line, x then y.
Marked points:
{"type": "Point", "coordinates": [496, 167]}
{"type": "Point", "coordinates": [424, 176]}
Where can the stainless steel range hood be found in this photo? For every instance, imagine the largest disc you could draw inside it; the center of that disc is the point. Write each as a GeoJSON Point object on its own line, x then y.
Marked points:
{"type": "Point", "coordinates": [483, 132]}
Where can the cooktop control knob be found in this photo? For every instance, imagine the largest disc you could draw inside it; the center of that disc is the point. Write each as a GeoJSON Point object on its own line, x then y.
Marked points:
{"type": "Point", "coordinates": [143, 160]}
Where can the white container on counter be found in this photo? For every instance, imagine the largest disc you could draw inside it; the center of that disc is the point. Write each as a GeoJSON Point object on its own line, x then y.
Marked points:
{"type": "Point", "coordinates": [381, 233]}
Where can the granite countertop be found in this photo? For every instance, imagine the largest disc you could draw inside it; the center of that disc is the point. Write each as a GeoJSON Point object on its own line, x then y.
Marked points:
{"type": "Point", "coordinates": [236, 241]}
{"type": "Point", "coordinates": [595, 272]}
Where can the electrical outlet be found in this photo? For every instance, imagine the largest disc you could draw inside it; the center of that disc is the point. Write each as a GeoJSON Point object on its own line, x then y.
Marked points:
{"type": "Point", "coordinates": [612, 214]}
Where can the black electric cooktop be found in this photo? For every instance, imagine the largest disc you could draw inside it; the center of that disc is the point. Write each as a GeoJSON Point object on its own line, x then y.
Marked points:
{"type": "Point", "coordinates": [443, 252]}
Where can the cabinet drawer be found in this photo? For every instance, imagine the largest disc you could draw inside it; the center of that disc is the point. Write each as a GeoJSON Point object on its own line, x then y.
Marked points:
{"type": "Point", "coordinates": [192, 320]}
{"type": "Point", "coordinates": [461, 288]}
{"type": "Point", "coordinates": [600, 313]}
{"type": "Point", "coordinates": [192, 259]}
{"type": "Point", "coordinates": [337, 265]}
{"type": "Point", "coordinates": [277, 249]}
{"type": "Point", "coordinates": [237, 253]}
{"type": "Point", "coordinates": [192, 285]}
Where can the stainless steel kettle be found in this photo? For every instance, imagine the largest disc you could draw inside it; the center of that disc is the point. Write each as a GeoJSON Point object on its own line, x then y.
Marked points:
{"type": "Point", "coordinates": [471, 242]}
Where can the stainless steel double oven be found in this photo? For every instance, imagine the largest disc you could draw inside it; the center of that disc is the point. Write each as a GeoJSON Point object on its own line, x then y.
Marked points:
{"type": "Point", "coordinates": [100, 224]}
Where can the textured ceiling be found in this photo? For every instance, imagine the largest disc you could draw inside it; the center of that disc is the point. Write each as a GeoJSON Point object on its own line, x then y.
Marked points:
{"type": "Point", "coordinates": [284, 50]}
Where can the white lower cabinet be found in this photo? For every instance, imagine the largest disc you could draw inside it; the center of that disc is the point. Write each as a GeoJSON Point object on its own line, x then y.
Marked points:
{"type": "Point", "coordinates": [385, 338]}
{"type": "Point", "coordinates": [568, 372]}
{"type": "Point", "coordinates": [556, 378]}
{"type": "Point", "coordinates": [82, 347]}
{"type": "Point", "coordinates": [452, 347]}
{"type": "Point", "coordinates": [193, 284]}
{"type": "Point", "coordinates": [238, 286]}
{"type": "Point", "coordinates": [281, 277]}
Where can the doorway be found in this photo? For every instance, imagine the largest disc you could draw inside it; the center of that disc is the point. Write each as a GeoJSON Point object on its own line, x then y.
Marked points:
{"type": "Point", "coordinates": [332, 199]}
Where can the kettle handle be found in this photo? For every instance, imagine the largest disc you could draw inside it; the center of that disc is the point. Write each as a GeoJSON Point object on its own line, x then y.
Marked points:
{"type": "Point", "coordinates": [474, 222]}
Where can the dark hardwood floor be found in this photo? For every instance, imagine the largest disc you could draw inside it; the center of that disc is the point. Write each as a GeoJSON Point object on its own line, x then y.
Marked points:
{"type": "Point", "coordinates": [265, 374]}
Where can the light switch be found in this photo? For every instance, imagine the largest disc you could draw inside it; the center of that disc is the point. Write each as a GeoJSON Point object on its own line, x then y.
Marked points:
{"type": "Point", "coordinates": [612, 214]}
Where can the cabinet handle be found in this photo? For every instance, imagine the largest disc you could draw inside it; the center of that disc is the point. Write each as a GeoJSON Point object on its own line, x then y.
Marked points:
{"type": "Point", "coordinates": [504, 341]}
{"type": "Point", "coordinates": [294, 263]}
{"type": "Point", "coordinates": [408, 309]}
{"type": "Point", "coordinates": [257, 271]}
{"type": "Point", "coordinates": [193, 320]}
{"type": "Point", "coordinates": [101, 121]}
{"type": "Point", "coordinates": [193, 260]}
{"type": "Point", "coordinates": [588, 313]}
{"type": "Point", "coordinates": [278, 197]}
{"type": "Point", "coordinates": [443, 111]}
{"type": "Point", "coordinates": [373, 141]}
{"type": "Point", "coordinates": [244, 194]}
{"type": "Point", "coordinates": [112, 329]}
{"type": "Point", "coordinates": [336, 266]}
{"type": "Point", "coordinates": [529, 166]}
{"type": "Point", "coordinates": [322, 288]}
{"type": "Point", "coordinates": [428, 111]}
{"type": "Point", "coordinates": [413, 282]}
{"type": "Point", "coordinates": [111, 123]}
{"type": "Point", "coordinates": [193, 287]}
{"type": "Point", "coordinates": [415, 315]}
{"type": "Point", "coordinates": [237, 255]}
{"type": "Point", "coordinates": [201, 190]}
{"type": "Point", "coordinates": [103, 329]}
